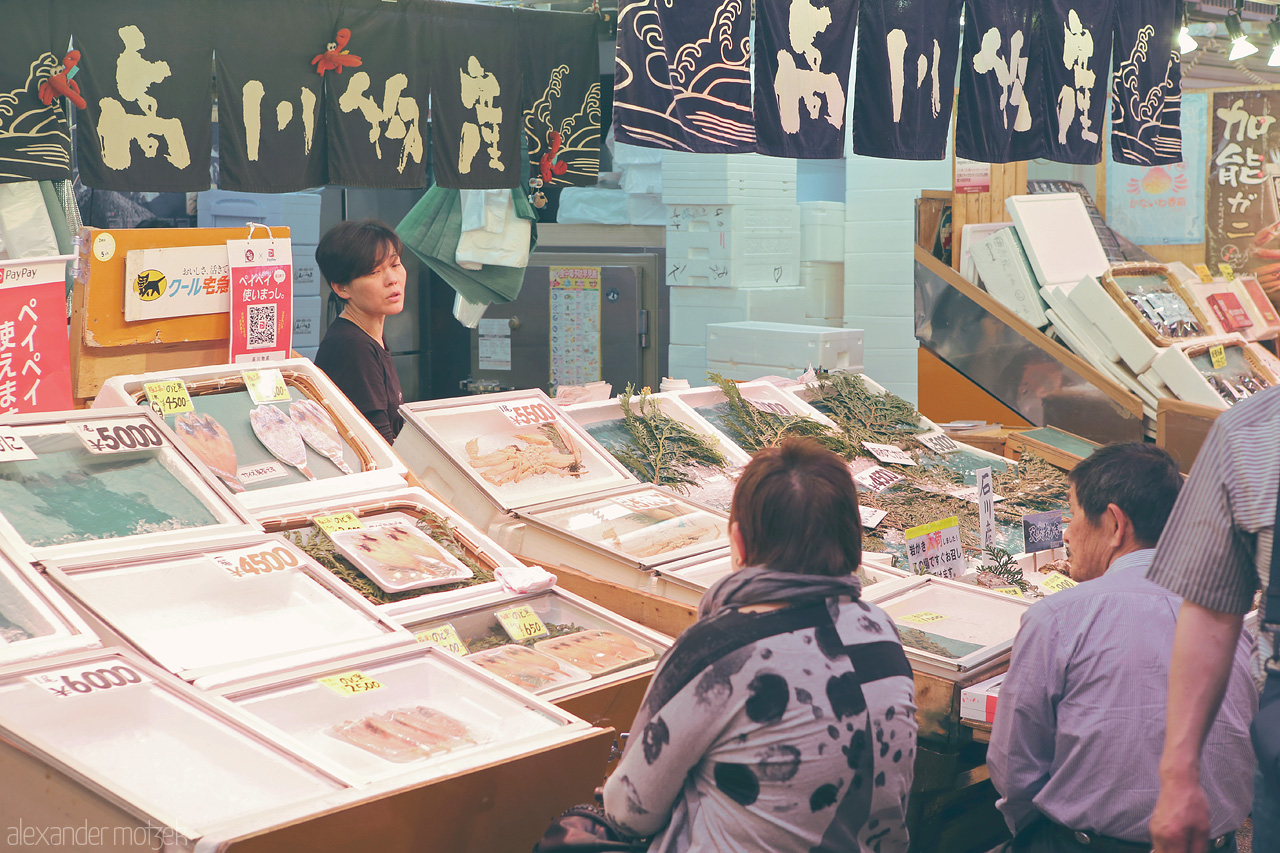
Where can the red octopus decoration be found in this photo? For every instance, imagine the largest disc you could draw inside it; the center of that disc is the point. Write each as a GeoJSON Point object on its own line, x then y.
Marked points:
{"type": "Point", "coordinates": [336, 58]}
{"type": "Point", "coordinates": [549, 166]}
{"type": "Point", "coordinates": [62, 85]}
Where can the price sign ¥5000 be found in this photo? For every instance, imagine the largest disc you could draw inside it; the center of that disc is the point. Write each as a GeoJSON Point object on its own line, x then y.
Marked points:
{"type": "Point", "coordinates": [81, 681]}
{"type": "Point", "coordinates": [118, 436]}
{"type": "Point", "coordinates": [528, 414]}
{"type": "Point", "coordinates": [169, 397]}
{"type": "Point", "coordinates": [889, 453]}
{"type": "Point", "coordinates": [256, 561]}
{"type": "Point", "coordinates": [446, 637]}
{"type": "Point", "coordinates": [521, 623]}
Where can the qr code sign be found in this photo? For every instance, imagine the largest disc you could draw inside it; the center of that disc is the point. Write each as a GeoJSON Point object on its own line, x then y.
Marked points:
{"type": "Point", "coordinates": [262, 326]}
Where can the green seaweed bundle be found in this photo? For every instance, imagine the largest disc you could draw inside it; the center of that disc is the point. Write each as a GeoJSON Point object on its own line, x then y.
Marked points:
{"type": "Point", "coordinates": [753, 429]}
{"type": "Point", "coordinates": [660, 449]}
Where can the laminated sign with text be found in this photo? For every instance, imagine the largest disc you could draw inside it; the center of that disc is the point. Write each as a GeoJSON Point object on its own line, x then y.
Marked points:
{"type": "Point", "coordinates": [261, 299]}
{"type": "Point", "coordinates": [35, 370]}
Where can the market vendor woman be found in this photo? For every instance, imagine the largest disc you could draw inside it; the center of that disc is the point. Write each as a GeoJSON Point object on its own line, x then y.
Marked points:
{"type": "Point", "coordinates": [361, 262]}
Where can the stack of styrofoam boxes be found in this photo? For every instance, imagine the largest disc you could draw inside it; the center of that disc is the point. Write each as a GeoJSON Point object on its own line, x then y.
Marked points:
{"type": "Point", "coordinates": [752, 349]}
{"type": "Point", "coordinates": [822, 261]}
{"type": "Point", "coordinates": [733, 248]}
{"type": "Point", "coordinates": [301, 213]}
{"type": "Point", "coordinates": [637, 200]}
{"type": "Point", "coordinates": [879, 261]}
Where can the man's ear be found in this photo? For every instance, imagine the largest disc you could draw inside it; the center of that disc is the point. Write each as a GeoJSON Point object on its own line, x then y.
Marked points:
{"type": "Point", "coordinates": [1119, 527]}
{"type": "Point", "coordinates": [736, 548]}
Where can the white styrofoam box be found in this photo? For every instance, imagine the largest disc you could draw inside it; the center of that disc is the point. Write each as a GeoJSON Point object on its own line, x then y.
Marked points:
{"type": "Point", "coordinates": [1183, 380]}
{"type": "Point", "coordinates": [867, 205]}
{"type": "Point", "coordinates": [879, 267]}
{"type": "Point", "coordinates": [908, 175]}
{"type": "Point", "coordinates": [307, 280]}
{"type": "Point", "coordinates": [822, 243]}
{"type": "Point", "coordinates": [1134, 347]}
{"type": "Point", "coordinates": [821, 213]}
{"type": "Point", "coordinates": [642, 178]}
{"type": "Point", "coordinates": [894, 367]}
{"type": "Point", "coordinates": [1002, 265]}
{"type": "Point", "coordinates": [307, 314]}
{"type": "Point", "coordinates": [625, 154]}
{"type": "Point", "coordinates": [643, 209]}
{"type": "Point", "coordinates": [592, 206]}
{"type": "Point", "coordinates": [785, 344]}
{"type": "Point", "coordinates": [894, 300]}
{"type": "Point", "coordinates": [879, 236]}
{"type": "Point", "coordinates": [226, 209]}
{"type": "Point", "coordinates": [732, 195]}
{"type": "Point", "coordinates": [703, 166]}
{"type": "Point", "coordinates": [1153, 383]}
{"type": "Point", "coordinates": [746, 272]}
{"type": "Point", "coordinates": [309, 353]}
{"type": "Point", "coordinates": [1059, 298]}
{"type": "Point", "coordinates": [1120, 372]}
{"type": "Point", "coordinates": [969, 235]}
{"type": "Point", "coordinates": [687, 358]}
{"type": "Point", "coordinates": [884, 332]}
{"type": "Point", "coordinates": [735, 218]}
{"type": "Point", "coordinates": [734, 245]}
{"type": "Point", "coordinates": [823, 287]}
{"type": "Point", "coordinates": [1058, 237]}
{"type": "Point", "coordinates": [692, 308]}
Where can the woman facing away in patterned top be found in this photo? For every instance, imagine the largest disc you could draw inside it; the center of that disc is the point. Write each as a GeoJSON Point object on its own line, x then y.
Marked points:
{"type": "Point", "coordinates": [784, 718]}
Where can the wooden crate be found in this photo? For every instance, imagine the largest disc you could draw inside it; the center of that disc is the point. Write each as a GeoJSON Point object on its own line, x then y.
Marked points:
{"type": "Point", "coordinates": [970, 208]}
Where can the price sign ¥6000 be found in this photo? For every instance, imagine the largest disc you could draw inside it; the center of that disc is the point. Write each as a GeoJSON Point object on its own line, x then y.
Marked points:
{"type": "Point", "coordinates": [528, 414]}
{"type": "Point", "coordinates": [81, 680]}
{"type": "Point", "coordinates": [446, 637]}
{"type": "Point", "coordinates": [169, 397]}
{"type": "Point", "coordinates": [521, 623]}
{"type": "Point", "coordinates": [118, 436]}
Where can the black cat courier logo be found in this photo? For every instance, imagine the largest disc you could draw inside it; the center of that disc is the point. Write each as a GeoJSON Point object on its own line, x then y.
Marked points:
{"type": "Point", "coordinates": [150, 285]}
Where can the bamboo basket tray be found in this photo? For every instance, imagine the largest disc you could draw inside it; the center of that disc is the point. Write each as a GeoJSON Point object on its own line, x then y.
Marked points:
{"type": "Point", "coordinates": [1120, 295]}
{"type": "Point", "coordinates": [1231, 349]}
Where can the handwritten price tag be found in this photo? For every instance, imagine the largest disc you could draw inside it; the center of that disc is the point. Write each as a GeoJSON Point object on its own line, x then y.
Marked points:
{"type": "Point", "coordinates": [266, 386]}
{"type": "Point", "coordinates": [1218, 356]}
{"type": "Point", "coordinates": [889, 453]}
{"type": "Point", "coordinates": [938, 441]}
{"type": "Point", "coordinates": [118, 436]}
{"type": "Point", "coordinates": [338, 521]}
{"type": "Point", "coordinates": [169, 397]}
{"type": "Point", "coordinates": [935, 548]}
{"type": "Point", "coordinates": [1202, 270]}
{"type": "Point", "coordinates": [13, 448]}
{"type": "Point", "coordinates": [350, 683]}
{"type": "Point", "coordinates": [528, 414]}
{"type": "Point", "coordinates": [1009, 590]}
{"type": "Point", "coordinates": [1042, 531]}
{"type": "Point", "coordinates": [1057, 582]}
{"type": "Point", "coordinates": [81, 681]}
{"type": "Point", "coordinates": [642, 502]}
{"type": "Point", "coordinates": [521, 623]}
{"type": "Point", "coordinates": [446, 637]}
{"type": "Point", "coordinates": [1227, 272]}
{"type": "Point", "coordinates": [924, 617]}
{"type": "Point", "coordinates": [877, 479]}
{"type": "Point", "coordinates": [871, 516]}
{"type": "Point", "coordinates": [258, 560]}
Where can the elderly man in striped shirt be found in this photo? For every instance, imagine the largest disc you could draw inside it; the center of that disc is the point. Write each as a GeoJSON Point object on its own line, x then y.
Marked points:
{"type": "Point", "coordinates": [1080, 720]}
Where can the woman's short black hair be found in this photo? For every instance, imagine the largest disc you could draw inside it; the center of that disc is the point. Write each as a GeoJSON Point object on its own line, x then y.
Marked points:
{"type": "Point", "coordinates": [1141, 479]}
{"type": "Point", "coordinates": [796, 508]}
{"type": "Point", "coordinates": [351, 249]}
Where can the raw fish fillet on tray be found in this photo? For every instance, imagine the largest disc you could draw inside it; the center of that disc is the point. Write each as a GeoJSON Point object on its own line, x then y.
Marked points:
{"type": "Point", "coordinates": [405, 734]}
{"type": "Point", "coordinates": [596, 652]}
{"type": "Point", "coordinates": [208, 440]}
{"type": "Point", "coordinates": [279, 435]}
{"type": "Point", "coordinates": [318, 430]}
{"type": "Point", "coordinates": [527, 668]}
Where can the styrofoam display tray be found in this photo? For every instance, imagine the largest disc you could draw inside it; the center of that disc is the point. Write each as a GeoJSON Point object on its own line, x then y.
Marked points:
{"type": "Point", "coordinates": [1046, 583]}
{"type": "Point", "coordinates": [1000, 263]}
{"type": "Point", "coordinates": [35, 620]}
{"type": "Point", "coordinates": [603, 420]}
{"type": "Point", "coordinates": [1058, 237]}
{"type": "Point", "coordinates": [478, 631]}
{"type": "Point", "coordinates": [949, 627]}
{"type": "Point", "coordinates": [689, 580]}
{"type": "Point", "coordinates": [1134, 346]}
{"type": "Point", "coordinates": [417, 505]}
{"type": "Point", "coordinates": [790, 346]}
{"type": "Point", "coordinates": [85, 490]}
{"type": "Point", "coordinates": [152, 746]}
{"type": "Point", "coordinates": [218, 391]}
{"type": "Point", "coordinates": [398, 557]}
{"type": "Point", "coordinates": [618, 536]}
{"type": "Point", "coordinates": [709, 400]}
{"type": "Point", "coordinates": [216, 615]}
{"type": "Point", "coordinates": [364, 734]}
{"type": "Point", "coordinates": [1185, 379]}
{"type": "Point", "coordinates": [437, 435]}
{"type": "Point", "coordinates": [1075, 324]}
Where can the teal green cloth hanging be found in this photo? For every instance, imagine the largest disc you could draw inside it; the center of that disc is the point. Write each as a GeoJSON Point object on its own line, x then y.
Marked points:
{"type": "Point", "coordinates": [432, 230]}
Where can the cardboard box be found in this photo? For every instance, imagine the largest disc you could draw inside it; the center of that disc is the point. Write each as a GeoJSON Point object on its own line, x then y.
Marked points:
{"type": "Point", "coordinates": [978, 701]}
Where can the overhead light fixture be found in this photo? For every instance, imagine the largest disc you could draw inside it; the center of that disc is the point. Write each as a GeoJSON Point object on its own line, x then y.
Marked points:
{"type": "Point", "coordinates": [1186, 43]}
{"type": "Point", "coordinates": [1240, 44]}
{"type": "Point", "coordinates": [1273, 32]}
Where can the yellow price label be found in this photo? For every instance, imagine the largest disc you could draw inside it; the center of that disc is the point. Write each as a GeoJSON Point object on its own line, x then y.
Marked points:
{"type": "Point", "coordinates": [1218, 355]}
{"type": "Point", "coordinates": [446, 637]}
{"type": "Point", "coordinates": [1202, 270]}
{"type": "Point", "coordinates": [1009, 590]}
{"type": "Point", "coordinates": [168, 397]}
{"type": "Point", "coordinates": [266, 386]}
{"type": "Point", "coordinates": [521, 623]}
{"type": "Point", "coordinates": [350, 683]}
{"type": "Point", "coordinates": [1057, 581]}
{"type": "Point", "coordinates": [924, 617]}
{"type": "Point", "coordinates": [1227, 272]}
{"type": "Point", "coordinates": [338, 521]}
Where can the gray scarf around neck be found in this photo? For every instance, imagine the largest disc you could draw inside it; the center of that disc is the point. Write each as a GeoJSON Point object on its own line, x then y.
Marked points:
{"type": "Point", "coordinates": [762, 585]}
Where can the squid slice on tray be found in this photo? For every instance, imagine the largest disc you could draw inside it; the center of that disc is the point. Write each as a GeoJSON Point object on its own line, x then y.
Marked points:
{"type": "Point", "coordinates": [209, 441]}
{"type": "Point", "coordinates": [278, 434]}
{"type": "Point", "coordinates": [318, 430]}
{"type": "Point", "coordinates": [405, 734]}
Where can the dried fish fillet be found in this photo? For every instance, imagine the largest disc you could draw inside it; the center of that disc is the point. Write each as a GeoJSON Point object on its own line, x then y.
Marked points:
{"type": "Point", "coordinates": [527, 668]}
{"type": "Point", "coordinates": [596, 652]}
{"type": "Point", "coordinates": [371, 735]}
{"type": "Point", "coordinates": [319, 431]}
{"type": "Point", "coordinates": [279, 435]}
{"type": "Point", "coordinates": [208, 440]}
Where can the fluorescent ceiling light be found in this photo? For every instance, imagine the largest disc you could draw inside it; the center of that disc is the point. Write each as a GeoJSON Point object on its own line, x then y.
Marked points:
{"type": "Point", "coordinates": [1186, 43]}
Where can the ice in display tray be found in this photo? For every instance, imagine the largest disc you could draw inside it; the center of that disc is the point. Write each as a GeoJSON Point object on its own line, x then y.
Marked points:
{"type": "Point", "coordinates": [491, 454]}
{"type": "Point", "coordinates": [948, 627]}
{"type": "Point", "coordinates": [149, 744]}
{"type": "Point", "coordinates": [263, 463]}
{"type": "Point", "coordinates": [396, 556]}
{"type": "Point", "coordinates": [413, 712]}
{"type": "Point", "coordinates": [714, 487]}
{"type": "Point", "coordinates": [528, 669]}
{"type": "Point", "coordinates": [106, 481]}
{"type": "Point", "coordinates": [218, 615]}
{"type": "Point", "coordinates": [477, 629]}
{"type": "Point", "coordinates": [35, 620]}
{"type": "Point", "coordinates": [460, 537]}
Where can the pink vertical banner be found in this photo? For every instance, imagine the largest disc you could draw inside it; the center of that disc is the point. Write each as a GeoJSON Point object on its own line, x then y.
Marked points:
{"type": "Point", "coordinates": [35, 361]}
{"type": "Point", "coordinates": [261, 299]}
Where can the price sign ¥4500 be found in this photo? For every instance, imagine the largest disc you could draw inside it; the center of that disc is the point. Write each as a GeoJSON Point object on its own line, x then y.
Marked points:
{"type": "Point", "coordinates": [257, 561]}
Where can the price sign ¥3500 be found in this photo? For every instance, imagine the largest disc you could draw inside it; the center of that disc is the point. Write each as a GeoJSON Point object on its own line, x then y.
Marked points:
{"type": "Point", "coordinates": [528, 414]}
{"type": "Point", "coordinates": [80, 680]}
{"type": "Point", "coordinates": [446, 637]}
{"type": "Point", "coordinates": [169, 397]}
{"type": "Point", "coordinates": [118, 436]}
{"type": "Point", "coordinates": [258, 560]}
{"type": "Point", "coordinates": [521, 623]}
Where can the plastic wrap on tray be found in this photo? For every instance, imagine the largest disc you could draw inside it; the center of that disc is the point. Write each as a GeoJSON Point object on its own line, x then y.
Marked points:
{"type": "Point", "coordinates": [596, 652]}
{"type": "Point", "coordinates": [398, 556]}
{"type": "Point", "coordinates": [527, 668]}
{"type": "Point", "coordinates": [405, 734]}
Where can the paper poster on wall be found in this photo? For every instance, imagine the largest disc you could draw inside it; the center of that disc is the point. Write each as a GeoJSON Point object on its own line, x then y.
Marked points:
{"type": "Point", "coordinates": [1243, 210]}
{"type": "Point", "coordinates": [261, 299]}
{"type": "Point", "coordinates": [35, 367]}
{"type": "Point", "coordinates": [972, 176]}
{"type": "Point", "coordinates": [575, 325]}
{"type": "Point", "coordinates": [495, 344]}
{"type": "Point", "coordinates": [1164, 205]}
